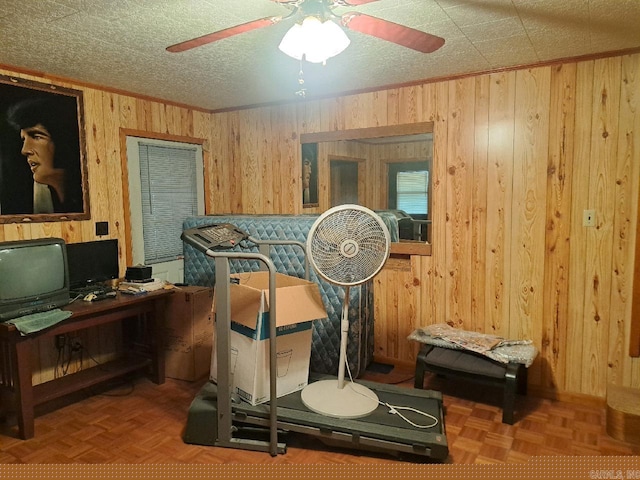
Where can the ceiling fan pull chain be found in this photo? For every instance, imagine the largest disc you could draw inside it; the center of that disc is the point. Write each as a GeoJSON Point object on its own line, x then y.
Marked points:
{"type": "Point", "coordinates": [303, 91]}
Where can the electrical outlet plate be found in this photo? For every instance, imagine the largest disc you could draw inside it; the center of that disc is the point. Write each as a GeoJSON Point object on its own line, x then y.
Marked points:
{"type": "Point", "coordinates": [589, 218]}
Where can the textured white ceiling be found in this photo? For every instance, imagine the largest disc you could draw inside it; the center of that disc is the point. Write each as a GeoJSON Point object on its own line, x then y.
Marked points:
{"type": "Point", "coordinates": [121, 44]}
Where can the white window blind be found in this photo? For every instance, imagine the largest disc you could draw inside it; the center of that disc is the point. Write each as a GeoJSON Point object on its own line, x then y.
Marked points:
{"type": "Point", "coordinates": [412, 191]}
{"type": "Point", "coordinates": [169, 195]}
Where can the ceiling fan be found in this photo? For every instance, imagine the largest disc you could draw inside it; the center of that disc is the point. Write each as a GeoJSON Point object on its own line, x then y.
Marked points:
{"type": "Point", "coordinates": [323, 10]}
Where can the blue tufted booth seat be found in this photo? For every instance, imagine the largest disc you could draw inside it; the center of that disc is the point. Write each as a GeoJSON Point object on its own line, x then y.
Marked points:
{"type": "Point", "coordinates": [199, 269]}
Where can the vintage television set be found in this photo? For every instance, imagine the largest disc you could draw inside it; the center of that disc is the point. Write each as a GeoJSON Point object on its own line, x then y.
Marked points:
{"type": "Point", "coordinates": [92, 264]}
{"type": "Point", "coordinates": [34, 276]}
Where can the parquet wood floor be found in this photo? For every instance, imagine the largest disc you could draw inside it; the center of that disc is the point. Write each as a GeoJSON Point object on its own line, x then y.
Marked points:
{"type": "Point", "coordinates": [140, 422]}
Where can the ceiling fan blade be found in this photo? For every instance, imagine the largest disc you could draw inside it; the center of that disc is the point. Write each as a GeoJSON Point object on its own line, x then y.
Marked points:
{"type": "Point", "coordinates": [392, 32]}
{"type": "Point", "coordinates": [221, 34]}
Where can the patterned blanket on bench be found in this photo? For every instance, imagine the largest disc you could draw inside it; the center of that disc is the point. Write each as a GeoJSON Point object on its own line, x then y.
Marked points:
{"type": "Point", "coordinates": [491, 346]}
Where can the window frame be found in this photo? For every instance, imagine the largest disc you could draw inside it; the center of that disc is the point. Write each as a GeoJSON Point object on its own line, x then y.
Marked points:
{"type": "Point", "coordinates": [145, 135]}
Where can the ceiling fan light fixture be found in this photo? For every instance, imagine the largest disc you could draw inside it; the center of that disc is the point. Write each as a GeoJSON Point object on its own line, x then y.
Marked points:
{"type": "Point", "coordinates": [314, 39]}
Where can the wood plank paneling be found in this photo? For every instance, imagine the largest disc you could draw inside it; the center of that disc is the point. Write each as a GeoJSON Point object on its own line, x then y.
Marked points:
{"type": "Point", "coordinates": [558, 225]}
{"type": "Point", "coordinates": [435, 276]}
{"type": "Point", "coordinates": [247, 160]}
{"type": "Point", "coordinates": [116, 209]}
{"type": "Point", "coordinates": [529, 207]}
{"type": "Point", "coordinates": [201, 130]}
{"type": "Point", "coordinates": [222, 192]}
{"type": "Point", "coordinates": [97, 161]}
{"type": "Point", "coordinates": [479, 208]}
{"type": "Point", "coordinates": [266, 163]}
{"type": "Point", "coordinates": [578, 243]}
{"type": "Point", "coordinates": [598, 278]}
{"type": "Point", "coordinates": [459, 201]}
{"type": "Point", "coordinates": [410, 108]}
{"type": "Point", "coordinates": [499, 196]}
{"type": "Point", "coordinates": [517, 157]}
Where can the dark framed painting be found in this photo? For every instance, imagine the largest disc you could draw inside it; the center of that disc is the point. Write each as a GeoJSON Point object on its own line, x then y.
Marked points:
{"type": "Point", "coordinates": [309, 174]}
{"type": "Point", "coordinates": [43, 164]}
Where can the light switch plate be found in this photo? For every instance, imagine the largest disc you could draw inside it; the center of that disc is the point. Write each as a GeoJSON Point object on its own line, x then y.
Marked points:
{"type": "Point", "coordinates": [589, 218]}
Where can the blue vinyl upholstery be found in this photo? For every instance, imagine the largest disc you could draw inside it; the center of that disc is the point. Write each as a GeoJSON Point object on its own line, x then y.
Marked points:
{"type": "Point", "coordinates": [199, 269]}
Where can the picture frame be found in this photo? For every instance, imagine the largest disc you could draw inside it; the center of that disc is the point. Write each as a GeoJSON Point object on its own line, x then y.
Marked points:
{"type": "Point", "coordinates": [309, 175]}
{"type": "Point", "coordinates": [43, 161]}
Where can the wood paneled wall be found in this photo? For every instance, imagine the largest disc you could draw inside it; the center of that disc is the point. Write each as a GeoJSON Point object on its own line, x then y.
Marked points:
{"type": "Point", "coordinates": [518, 156]}
{"type": "Point", "coordinates": [107, 115]}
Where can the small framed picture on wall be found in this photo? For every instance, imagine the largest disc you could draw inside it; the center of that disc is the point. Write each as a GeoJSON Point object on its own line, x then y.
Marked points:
{"type": "Point", "coordinates": [43, 169]}
{"type": "Point", "coordinates": [309, 175]}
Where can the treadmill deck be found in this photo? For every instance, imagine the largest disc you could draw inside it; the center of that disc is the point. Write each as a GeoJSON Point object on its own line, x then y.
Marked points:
{"type": "Point", "coordinates": [378, 431]}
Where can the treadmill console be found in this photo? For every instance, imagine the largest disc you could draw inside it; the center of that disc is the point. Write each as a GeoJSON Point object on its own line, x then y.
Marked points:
{"type": "Point", "coordinates": [215, 237]}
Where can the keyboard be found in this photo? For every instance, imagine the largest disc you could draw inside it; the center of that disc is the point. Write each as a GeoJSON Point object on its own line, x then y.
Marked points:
{"type": "Point", "coordinates": [215, 237]}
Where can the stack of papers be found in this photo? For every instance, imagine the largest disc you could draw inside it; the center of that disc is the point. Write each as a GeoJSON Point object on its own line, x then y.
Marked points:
{"type": "Point", "coordinates": [35, 322]}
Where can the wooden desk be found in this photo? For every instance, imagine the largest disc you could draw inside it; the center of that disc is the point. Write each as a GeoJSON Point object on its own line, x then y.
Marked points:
{"type": "Point", "coordinates": [16, 351]}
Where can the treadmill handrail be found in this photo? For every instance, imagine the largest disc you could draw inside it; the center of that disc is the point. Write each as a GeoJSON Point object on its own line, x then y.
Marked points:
{"type": "Point", "coordinates": [224, 399]}
{"type": "Point", "coordinates": [222, 258]}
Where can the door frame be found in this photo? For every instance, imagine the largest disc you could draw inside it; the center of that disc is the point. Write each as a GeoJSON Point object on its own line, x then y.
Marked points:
{"type": "Point", "coordinates": [361, 165]}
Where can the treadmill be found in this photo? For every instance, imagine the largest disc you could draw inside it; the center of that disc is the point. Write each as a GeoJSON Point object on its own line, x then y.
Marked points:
{"type": "Point", "coordinates": [218, 417]}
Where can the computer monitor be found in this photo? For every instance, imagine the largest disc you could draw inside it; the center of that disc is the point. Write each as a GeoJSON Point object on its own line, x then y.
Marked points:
{"type": "Point", "coordinates": [92, 263]}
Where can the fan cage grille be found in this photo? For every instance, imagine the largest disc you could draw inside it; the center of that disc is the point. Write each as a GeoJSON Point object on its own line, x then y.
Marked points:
{"type": "Point", "coordinates": [348, 246]}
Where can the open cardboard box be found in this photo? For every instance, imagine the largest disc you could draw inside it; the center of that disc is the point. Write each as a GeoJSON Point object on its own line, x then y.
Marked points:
{"type": "Point", "coordinates": [298, 302]}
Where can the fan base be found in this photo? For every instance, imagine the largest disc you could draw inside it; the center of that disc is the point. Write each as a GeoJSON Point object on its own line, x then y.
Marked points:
{"type": "Point", "coordinates": [352, 401]}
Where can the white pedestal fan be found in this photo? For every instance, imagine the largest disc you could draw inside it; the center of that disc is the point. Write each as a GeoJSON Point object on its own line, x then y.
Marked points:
{"type": "Point", "coordinates": [347, 245]}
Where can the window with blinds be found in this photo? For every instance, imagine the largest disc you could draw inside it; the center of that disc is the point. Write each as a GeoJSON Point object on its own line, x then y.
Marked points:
{"type": "Point", "coordinates": [408, 187]}
{"type": "Point", "coordinates": [169, 194]}
{"type": "Point", "coordinates": [412, 192]}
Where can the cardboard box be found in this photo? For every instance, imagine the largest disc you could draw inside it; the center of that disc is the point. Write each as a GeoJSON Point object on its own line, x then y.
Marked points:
{"type": "Point", "coordinates": [298, 302]}
{"type": "Point", "coordinates": [188, 334]}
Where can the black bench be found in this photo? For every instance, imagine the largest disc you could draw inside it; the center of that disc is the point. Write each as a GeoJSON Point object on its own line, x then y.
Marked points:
{"type": "Point", "coordinates": [470, 366]}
